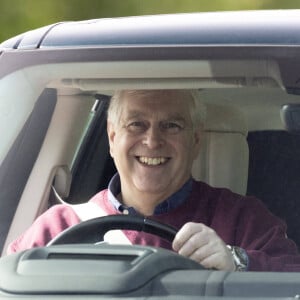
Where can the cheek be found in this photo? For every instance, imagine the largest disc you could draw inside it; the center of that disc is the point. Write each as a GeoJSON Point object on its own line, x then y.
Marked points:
{"type": "Point", "coordinates": [123, 145]}
{"type": "Point", "coordinates": [187, 148]}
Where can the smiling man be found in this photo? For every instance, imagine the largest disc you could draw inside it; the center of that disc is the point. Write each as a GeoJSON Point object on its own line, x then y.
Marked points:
{"type": "Point", "coordinates": [153, 143]}
{"type": "Point", "coordinates": [154, 137]}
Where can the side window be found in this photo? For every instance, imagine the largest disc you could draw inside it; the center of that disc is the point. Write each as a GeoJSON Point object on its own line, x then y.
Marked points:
{"type": "Point", "coordinates": [274, 175]}
{"type": "Point", "coordinates": [20, 160]}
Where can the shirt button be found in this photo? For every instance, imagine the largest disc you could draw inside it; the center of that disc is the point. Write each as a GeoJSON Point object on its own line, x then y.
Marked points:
{"type": "Point", "coordinates": [125, 212]}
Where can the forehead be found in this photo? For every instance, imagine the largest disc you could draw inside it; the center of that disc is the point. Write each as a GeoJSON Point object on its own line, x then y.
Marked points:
{"type": "Point", "coordinates": [157, 103]}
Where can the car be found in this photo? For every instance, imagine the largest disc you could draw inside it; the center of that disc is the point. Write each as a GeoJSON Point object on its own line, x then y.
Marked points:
{"type": "Point", "coordinates": [55, 86]}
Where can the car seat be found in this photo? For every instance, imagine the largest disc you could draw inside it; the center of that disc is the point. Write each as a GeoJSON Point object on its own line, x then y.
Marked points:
{"type": "Point", "coordinates": [224, 156]}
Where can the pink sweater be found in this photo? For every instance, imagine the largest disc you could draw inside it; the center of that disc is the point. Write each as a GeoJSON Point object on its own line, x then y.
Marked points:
{"type": "Point", "coordinates": [238, 220]}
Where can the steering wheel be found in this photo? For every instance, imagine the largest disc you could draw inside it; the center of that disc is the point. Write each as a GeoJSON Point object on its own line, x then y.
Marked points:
{"type": "Point", "coordinates": [93, 231]}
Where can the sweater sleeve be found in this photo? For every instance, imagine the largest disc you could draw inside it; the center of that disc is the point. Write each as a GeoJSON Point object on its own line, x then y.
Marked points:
{"type": "Point", "coordinates": [45, 228]}
{"type": "Point", "coordinates": [264, 238]}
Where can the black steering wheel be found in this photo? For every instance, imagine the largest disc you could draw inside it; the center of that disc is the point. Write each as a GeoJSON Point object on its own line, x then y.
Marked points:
{"type": "Point", "coordinates": [93, 231]}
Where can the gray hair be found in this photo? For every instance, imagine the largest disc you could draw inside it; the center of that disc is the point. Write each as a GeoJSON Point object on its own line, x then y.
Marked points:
{"type": "Point", "coordinates": [196, 107]}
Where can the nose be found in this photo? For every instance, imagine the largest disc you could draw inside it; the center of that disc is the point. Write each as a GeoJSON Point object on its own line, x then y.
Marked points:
{"type": "Point", "coordinates": [153, 138]}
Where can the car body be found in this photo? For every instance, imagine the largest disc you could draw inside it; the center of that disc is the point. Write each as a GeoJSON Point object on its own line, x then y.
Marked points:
{"type": "Point", "coordinates": [55, 84]}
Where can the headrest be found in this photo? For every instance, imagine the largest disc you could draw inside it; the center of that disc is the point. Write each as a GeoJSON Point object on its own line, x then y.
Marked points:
{"type": "Point", "coordinates": [224, 155]}
{"type": "Point", "coordinates": [225, 118]}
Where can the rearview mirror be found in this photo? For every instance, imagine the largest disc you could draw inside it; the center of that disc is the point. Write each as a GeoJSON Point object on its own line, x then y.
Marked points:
{"type": "Point", "coordinates": [290, 115]}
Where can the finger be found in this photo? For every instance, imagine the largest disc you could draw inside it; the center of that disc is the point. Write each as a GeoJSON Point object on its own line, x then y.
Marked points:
{"type": "Point", "coordinates": [185, 233]}
{"type": "Point", "coordinates": [214, 256]}
{"type": "Point", "coordinates": [219, 262]}
{"type": "Point", "coordinates": [212, 262]}
{"type": "Point", "coordinates": [202, 253]}
{"type": "Point", "coordinates": [197, 241]}
{"type": "Point", "coordinates": [197, 236]}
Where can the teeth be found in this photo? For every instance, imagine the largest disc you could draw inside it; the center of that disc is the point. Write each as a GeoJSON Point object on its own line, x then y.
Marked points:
{"type": "Point", "coordinates": [152, 161]}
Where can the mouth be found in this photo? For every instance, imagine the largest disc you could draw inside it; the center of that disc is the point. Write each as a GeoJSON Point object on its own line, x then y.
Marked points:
{"type": "Point", "coordinates": [152, 161]}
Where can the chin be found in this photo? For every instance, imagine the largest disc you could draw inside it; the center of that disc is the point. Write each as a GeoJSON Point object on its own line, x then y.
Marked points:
{"type": "Point", "coordinates": [155, 188]}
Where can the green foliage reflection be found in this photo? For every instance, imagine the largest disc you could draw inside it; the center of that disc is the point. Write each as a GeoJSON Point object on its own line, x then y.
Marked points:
{"type": "Point", "coordinates": [17, 16]}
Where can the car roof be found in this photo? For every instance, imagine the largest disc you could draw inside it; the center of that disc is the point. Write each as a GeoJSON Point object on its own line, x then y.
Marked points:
{"type": "Point", "coordinates": [267, 27]}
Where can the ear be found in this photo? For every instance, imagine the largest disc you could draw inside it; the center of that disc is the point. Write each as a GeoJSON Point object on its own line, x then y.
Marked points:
{"type": "Point", "coordinates": [111, 137]}
{"type": "Point", "coordinates": [197, 142]}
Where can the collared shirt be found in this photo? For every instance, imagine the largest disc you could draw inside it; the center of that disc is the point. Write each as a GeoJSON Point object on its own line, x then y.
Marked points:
{"type": "Point", "coordinates": [114, 189]}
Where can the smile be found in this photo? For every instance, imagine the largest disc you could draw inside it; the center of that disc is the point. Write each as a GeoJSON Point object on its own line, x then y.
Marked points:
{"type": "Point", "coordinates": [152, 161]}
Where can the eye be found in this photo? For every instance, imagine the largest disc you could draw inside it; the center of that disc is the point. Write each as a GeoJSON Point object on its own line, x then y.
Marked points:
{"type": "Point", "coordinates": [136, 126]}
{"type": "Point", "coordinates": [171, 127]}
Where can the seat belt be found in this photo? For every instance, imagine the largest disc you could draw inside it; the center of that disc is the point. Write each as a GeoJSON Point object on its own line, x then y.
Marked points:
{"type": "Point", "coordinates": [90, 210]}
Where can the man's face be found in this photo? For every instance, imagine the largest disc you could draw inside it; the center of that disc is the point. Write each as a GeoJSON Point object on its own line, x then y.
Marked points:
{"type": "Point", "coordinates": [154, 144]}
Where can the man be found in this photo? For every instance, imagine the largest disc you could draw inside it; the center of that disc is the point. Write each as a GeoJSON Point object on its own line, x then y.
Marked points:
{"type": "Point", "coordinates": [154, 137]}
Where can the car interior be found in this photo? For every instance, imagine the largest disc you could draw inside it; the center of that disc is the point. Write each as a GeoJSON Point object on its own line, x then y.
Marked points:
{"type": "Point", "coordinates": [56, 151]}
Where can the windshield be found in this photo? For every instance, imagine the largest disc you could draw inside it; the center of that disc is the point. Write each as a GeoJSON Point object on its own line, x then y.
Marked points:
{"type": "Point", "coordinates": [182, 156]}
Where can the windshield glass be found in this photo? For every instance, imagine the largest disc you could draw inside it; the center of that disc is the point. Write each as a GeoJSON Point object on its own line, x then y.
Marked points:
{"type": "Point", "coordinates": [189, 152]}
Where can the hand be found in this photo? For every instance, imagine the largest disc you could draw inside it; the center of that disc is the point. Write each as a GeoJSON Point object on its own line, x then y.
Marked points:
{"type": "Point", "coordinates": [201, 243]}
